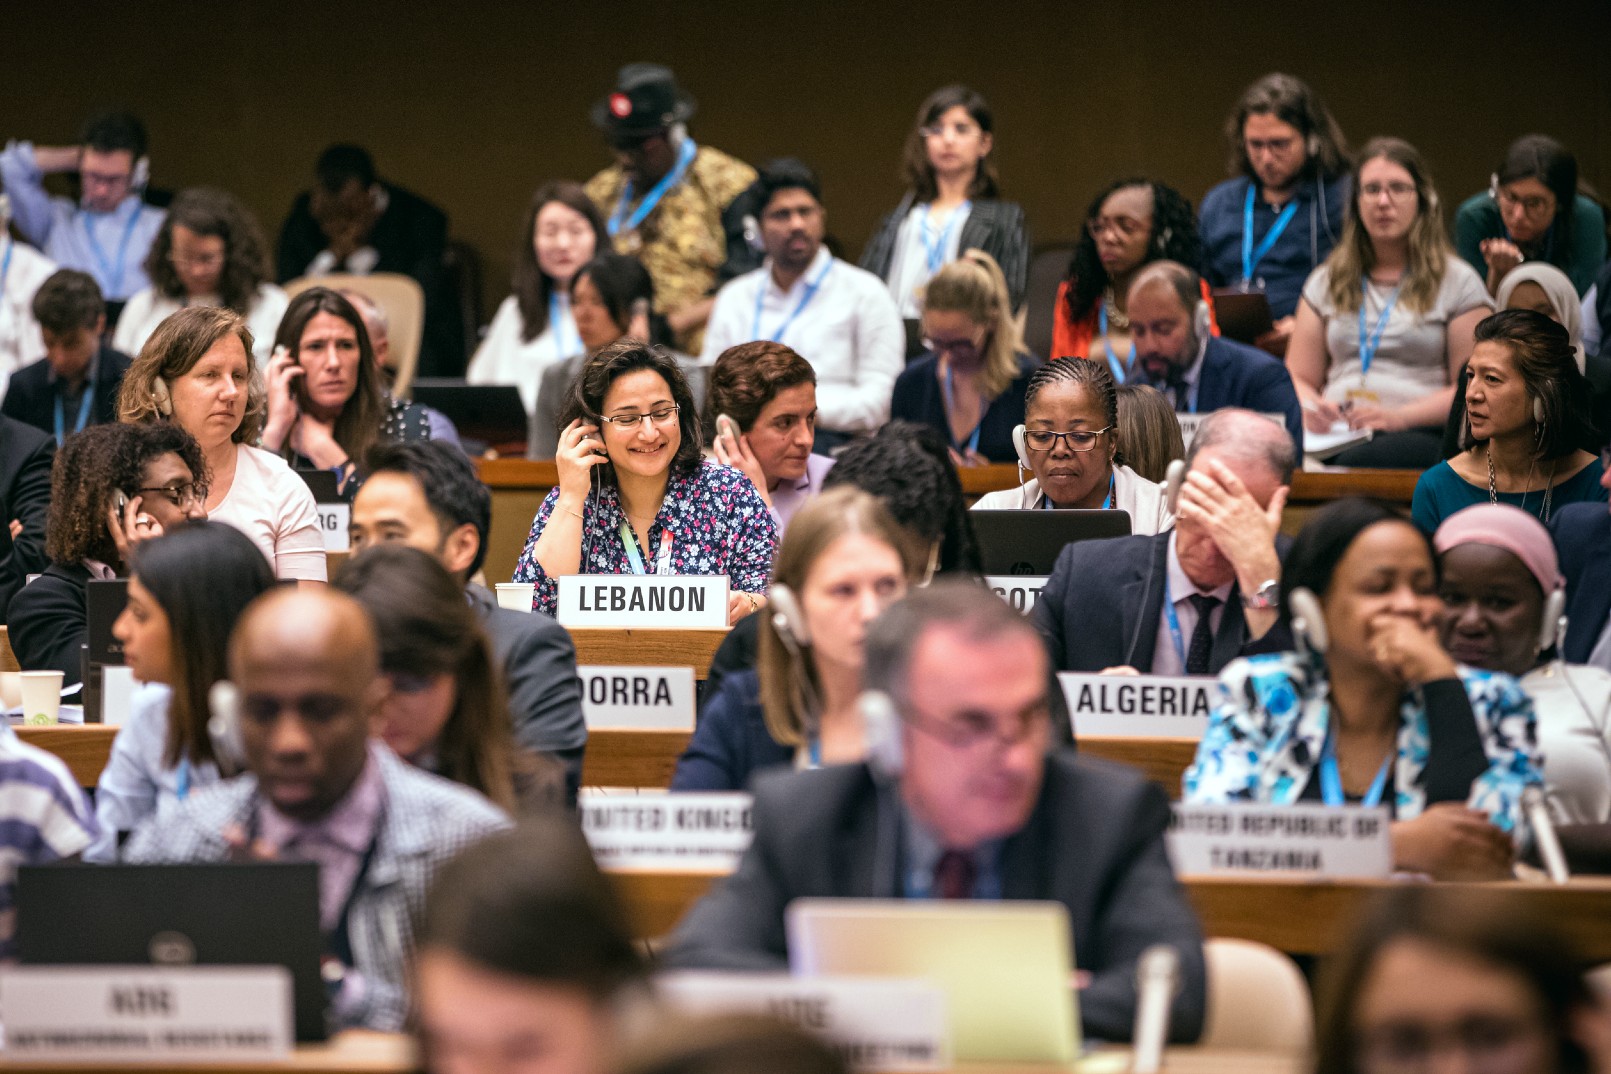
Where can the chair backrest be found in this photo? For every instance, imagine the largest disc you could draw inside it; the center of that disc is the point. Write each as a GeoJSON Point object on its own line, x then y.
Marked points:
{"type": "Point", "coordinates": [461, 266]}
{"type": "Point", "coordinates": [1047, 268]}
{"type": "Point", "coordinates": [8, 659]}
{"type": "Point", "coordinates": [404, 302]}
{"type": "Point", "coordinates": [1257, 999]}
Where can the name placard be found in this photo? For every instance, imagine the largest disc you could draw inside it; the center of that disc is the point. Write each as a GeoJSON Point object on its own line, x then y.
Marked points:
{"type": "Point", "coordinates": [335, 521]}
{"type": "Point", "coordinates": [1190, 422]}
{"type": "Point", "coordinates": [1139, 706]}
{"type": "Point", "coordinates": [1311, 840]}
{"type": "Point", "coordinates": [873, 1023]}
{"type": "Point", "coordinates": [661, 830]}
{"type": "Point", "coordinates": [642, 600]}
{"type": "Point", "coordinates": [1019, 590]}
{"type": "Point", "coordinates": [147, 1014]}
{"type": "Point", "coordinates": [640, 698]}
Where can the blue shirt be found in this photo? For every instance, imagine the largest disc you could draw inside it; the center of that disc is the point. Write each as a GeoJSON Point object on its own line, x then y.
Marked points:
{"type": "Point", "coordinates": [1441, 492]}
{"type": "Point", "coordinates": [1314, 230]}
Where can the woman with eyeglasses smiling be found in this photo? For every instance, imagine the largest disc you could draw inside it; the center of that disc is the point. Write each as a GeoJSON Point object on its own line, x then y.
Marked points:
{"type": "Point", "coordinates": [1069, 442]}
{"type": "Point", "coordinates": [970, 383]}
{"type": "Point", "coordinates": [654, 505]}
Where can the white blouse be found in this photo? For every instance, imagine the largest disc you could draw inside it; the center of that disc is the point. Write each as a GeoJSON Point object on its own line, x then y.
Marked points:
{"type": "Point", "coordinates": [147, 309]}
{"type": "Point", "coordinates": [1573, 705]}
{"type": "Point", "coordinates": [505, 358]}
{"type": "Point", "coordinates": [22, 270]}
{"type": "Point", "coordinates": [272, 505]}
{"type": "Point", "coordinates": [909, 269]}
{"type": "Point", "coordinates": [1131, 492]}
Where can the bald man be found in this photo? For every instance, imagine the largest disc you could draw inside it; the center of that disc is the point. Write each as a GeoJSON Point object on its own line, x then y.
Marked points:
{"type": "Point", "coordinates": [1193, 598]}
{"type": "Point", "coordinates": [1197, 371]}
{"type": "Point", "coordinates": [315, 788]}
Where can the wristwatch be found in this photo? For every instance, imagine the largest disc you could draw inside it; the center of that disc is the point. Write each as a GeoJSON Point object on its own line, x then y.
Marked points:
{"type": "Point", "coordinates": [1263, 598]}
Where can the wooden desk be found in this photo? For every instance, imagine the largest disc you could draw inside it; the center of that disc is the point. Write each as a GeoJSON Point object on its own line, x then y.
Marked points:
{"type": "Point", "coordinates": [644, 759]}
{"type": "Point", "coordinates": [518, 487]}
{"type": "Point", "coordinates": [1162, 760]}
{"type": "Point", "coordinates": [84, 748]}
{"type": "Point", "coordinates": [352, 1052]}
{"type": "Point", "coordinates": [660, 648]}
{"type": "Point", "coordinates": [1312, 490]}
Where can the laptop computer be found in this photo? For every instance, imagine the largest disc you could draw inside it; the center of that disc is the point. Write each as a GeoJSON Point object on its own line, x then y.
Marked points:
{"type": "Point", "coordinates": [1242, 315]}
{"type": "Point", "coordinates": [486, 414]}
{"type": "Point", "coordinates": [226, 914]}
{"type": "Point", "coordinates": [1006, 968]}
{"type": "Point", "coordinates": [1028, 542]}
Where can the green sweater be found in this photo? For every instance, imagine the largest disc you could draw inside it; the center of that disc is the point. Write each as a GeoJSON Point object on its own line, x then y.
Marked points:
{"type": "Point", "coordinates": [1478, 219]}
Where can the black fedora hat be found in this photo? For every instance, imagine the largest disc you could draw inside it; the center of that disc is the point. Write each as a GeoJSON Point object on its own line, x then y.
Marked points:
{"type": "Point", "coordinates": [646, 99]}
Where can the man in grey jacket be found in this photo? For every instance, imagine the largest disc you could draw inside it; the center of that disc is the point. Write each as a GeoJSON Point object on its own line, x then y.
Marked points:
{"type": "Point", "coordinates": [964, 797]}
{"type": "Point", "coordinates": [307, 670]}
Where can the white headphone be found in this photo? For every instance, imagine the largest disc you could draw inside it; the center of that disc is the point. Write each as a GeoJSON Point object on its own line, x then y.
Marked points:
{"type": "Point", "coordinates": [224, 725]}
{"type": "Point", "coordinates": [1022, 448]}
{"type": "Point", "coordinates": [1308, 621]}
{"type": "Point", "coordinates": [881, 731]}
{"type": "Point", "coordinates": [161, 398]}
{"type": "Point", "coordinates": [1174, 477]}
{"type": "Point", "coordinates": [1552, 624]}
{"type": "Point", "coordinates": [1202, 320]}
{"type": "Point", "coordinates": [787, 619]}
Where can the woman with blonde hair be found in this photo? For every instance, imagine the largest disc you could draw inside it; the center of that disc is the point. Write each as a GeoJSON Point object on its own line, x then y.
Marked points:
{"type": "Point", "coordinates": [969, 383]}
{"type": "Point", "coordinates": [842, 561]}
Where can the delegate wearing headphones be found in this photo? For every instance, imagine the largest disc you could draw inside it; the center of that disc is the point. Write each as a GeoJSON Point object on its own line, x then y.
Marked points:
{"type": "Point", "coordinates": [964, 795]}
{"type": "Point", "coordinates": [1526, 423]}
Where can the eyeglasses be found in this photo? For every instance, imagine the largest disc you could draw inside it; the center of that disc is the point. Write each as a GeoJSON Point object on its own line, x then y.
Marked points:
{"type": "Point", "coordinates": [1397, 191]}
{"type": "Point", "coordinates": [407, 682]}
{"type": "Point", "coordinates": [200, 261]}
{"type": "Point", "coordinates": [972, 728]}
{"type": "Point", "coordinates": [1489, 1044]}
{"type": "Point", "coordinates": [1535, 205]}
{"type": "Point", "coordinates": [1268, 145]}
{"type": "Point", "coordinates": [954, 346]}
{"type": "Point", "coordinates": [1128, 227]}
{"type": "Point", "coordinates": [1079, 440]}
{"type": "Point", "coordinates": [960, 130]}
{"type": "Point", "coordinates": [179, 495]}
{"type": "Point", "coordinates": [628, 422]}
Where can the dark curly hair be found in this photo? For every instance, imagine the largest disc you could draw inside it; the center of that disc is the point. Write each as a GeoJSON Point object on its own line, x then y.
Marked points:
{"type": "Point", "coordinates": [592, 384]}
{"type": "Point", "coordinates": [532, 286]}
{"type": "Point", "coordinates": [212, 214]}
{"type": "Point", "coordinates": [747, 377]}
{"type": "Point", "coordinates": [94, 464]}
{"type": "Point", "coordinates": [1173, 237]}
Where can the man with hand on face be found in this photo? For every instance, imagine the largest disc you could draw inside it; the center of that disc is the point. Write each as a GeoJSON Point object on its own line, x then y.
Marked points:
{"type": "Point", "coordinates": [840, 318]}
{"type": "Point", "coordinates": [427, 495]}
{"type": "Point", "coordinates": [1198, 372]}
{"type": "Point", "coordinates": [306, 667]}
{"type": "Point", "coordinates": [76, 383]}
{"type": "Point", "coordinates": [666, 199]}
{"type": "Point", "coordinates": [110, 231]}
{"type": "Point", "coordinates": [965, 798]}
{"type": "Point", "coordinates": [1191, 599]}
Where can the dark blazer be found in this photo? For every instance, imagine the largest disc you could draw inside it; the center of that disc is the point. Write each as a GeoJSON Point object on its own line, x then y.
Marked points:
{"type": "Point", "coordinates": [919, 397]}
{"type": "Point", "coordinates": [731, 742]}
{"type": "Point", "coordinates": [26, 455]}
{"type": "Point", "coordinates": [31, 397]}
{"type": "Point", "coordinates": [1103, 602]}
{"type": "Point", "coordinates": [1095, 843]}
{"type": "Point", "coordinates": [1235, 374]}
{"type": "Point", "coordinates": [737, 652]}
{"type": "Point", "coordinates": [48, 623]}
{"type": "Point", "coordinates": [996, 227]}
{"type": "Point", "coordinates": [1582, 533]}
{"type": "Point", "coordinates": [538, 660]}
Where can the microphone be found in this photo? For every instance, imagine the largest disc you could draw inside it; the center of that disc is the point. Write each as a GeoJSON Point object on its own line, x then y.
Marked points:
{"type": "Point", "coordinates": [1157, 979]}
{"type": "Point", "coordinates": [1549, 844]}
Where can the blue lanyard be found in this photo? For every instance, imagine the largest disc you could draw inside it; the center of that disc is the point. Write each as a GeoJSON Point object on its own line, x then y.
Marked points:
{"type": "Point", "coordinates": [1250, 256]}
{"type": "Point", "coordinates": [662, 562]}
{"type": "Point", "coordinates": [1120, 372]}
{"type": "Point", "coordinates": [83, 412]}
{"type": "Point", "coordinates": [1173, 619]}
{"type": "Point", "coordinates": [685, 157]}
{"type": "Point", "coordinates": [5, 266]}
{"type": "Point", "coordinates": [558, 320]}
{"type": "Point", "coordinates": [112, 274]}
{"type": "Point", "coordinates": [949, 387]}
{"type": "Point", "coordinates": [1107, 505]}
{"type": "Point", "coordinates": [1369, 343]}
{"type": "Point", "coordinates": [1331, 791]}
{"type": "Point", "coordinates": [183, 790]}
{"type": "Point", "coordinates": [934, 248]}
{"type": "Point", "coordinates": [811, 289]}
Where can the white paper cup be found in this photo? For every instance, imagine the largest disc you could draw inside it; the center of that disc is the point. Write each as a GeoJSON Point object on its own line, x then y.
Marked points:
{"type": "Point", "coordinates": [41, 696]}
{"type": "Point", "coordinates": [516, 596]}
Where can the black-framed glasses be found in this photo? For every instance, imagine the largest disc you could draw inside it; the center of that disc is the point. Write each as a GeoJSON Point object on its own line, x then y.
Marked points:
{"type": "Point", "coordinates": [179, 495]}
{"type": "Point", "coordinates": [1078, 440]}
{"type": "Point", "coordinates": [971, 728]}
{"type": "Point", "coordinates": [627, 422]}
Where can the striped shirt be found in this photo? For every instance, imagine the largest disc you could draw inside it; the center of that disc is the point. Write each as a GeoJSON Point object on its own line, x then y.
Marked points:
{"type": "Point", "coordinates": [44, 817]}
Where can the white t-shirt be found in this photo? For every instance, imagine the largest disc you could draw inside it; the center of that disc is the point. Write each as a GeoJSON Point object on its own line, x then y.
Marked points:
{"type": "Point", "coordinates": [147, 309]}
{"type": "Point", "coordinates": [1131, 492]}
{"type": "Point", "coordinates": [1573, 739]}
{"type": "Point", "coordinates": [1412, 360]}
{"type": "Point", "coordinates": [272, 505]}
{"type": "Point", "coordinates": [909, 270]}
{"type": "Point", "coordinates": [505, 358]}
{"type": "Point", "coordinates": [22, 270]}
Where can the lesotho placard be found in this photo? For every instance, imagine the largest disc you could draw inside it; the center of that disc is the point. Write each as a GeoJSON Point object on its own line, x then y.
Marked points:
{"type": "Point", "coordinates": [1019, 590]}
{"type": "Point", "coordinates": [144, 1014]}
{"type": "Point", "coordinates": [661, 830]}
{"type": "Point", "coordinates": [637, 698]}
{"type": "Point", "coordinates": [1139, 706]}
{"type": "Point", "coordinates": [1307, 840]}
{"type": "Point", "coordinates": [883, 1024]}
{"type": "Point", "coordinates": [642, 600]}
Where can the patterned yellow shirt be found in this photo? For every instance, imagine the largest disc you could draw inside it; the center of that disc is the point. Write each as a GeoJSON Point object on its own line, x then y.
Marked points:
{"type": "Point", "coordinates": [682, 242]}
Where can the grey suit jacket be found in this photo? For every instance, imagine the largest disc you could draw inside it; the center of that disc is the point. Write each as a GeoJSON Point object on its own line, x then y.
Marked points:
{"type": "Point", "coordinates": [1094, 843]}
{"type": "Point", "coordinates": [427, 821]}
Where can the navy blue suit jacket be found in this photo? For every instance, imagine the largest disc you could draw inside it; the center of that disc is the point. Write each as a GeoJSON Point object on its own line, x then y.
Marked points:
{"type": "Point", "coordinates": [1582, 533]}
{"type": "Point", "coordinates": [1235, 374]}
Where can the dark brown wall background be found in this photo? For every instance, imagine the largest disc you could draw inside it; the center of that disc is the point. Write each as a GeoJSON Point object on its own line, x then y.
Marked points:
{"type": "Point", "coordinates": [474, 102]}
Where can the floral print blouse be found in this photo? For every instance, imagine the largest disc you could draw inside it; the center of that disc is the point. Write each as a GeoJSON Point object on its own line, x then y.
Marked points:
{"type": "Point", "coordinates": [717, 521]}
{"type": "Point", "coordinates": [1266, 735]}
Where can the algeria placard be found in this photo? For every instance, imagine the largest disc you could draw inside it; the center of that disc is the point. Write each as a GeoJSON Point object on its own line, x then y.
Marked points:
{"type": "Point", "coordinates": [1139, 706]}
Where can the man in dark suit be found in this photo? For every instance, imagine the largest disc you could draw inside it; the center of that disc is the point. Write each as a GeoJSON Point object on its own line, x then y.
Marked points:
{"type": "Point", "coordinates": [427, 495]}
{"type": "Point", "coordinates": [1199, 372]}
{"type": "Point", "coordinates": [25, 460]}
{"type": "Point", "coordinates": [76, 383]}
{"type": "Point", "coordinates": [1582, 533]}
{"type": "Point", "coordinates": [351, 221]}
{"type": "Point", "coordinates": [964, 797]}
{"type": "Point", "coordinates": [1104, 606]}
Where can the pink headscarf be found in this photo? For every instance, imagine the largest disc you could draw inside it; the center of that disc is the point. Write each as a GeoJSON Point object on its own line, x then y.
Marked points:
{"type": "Point", "coordinates": [1507, 527]}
